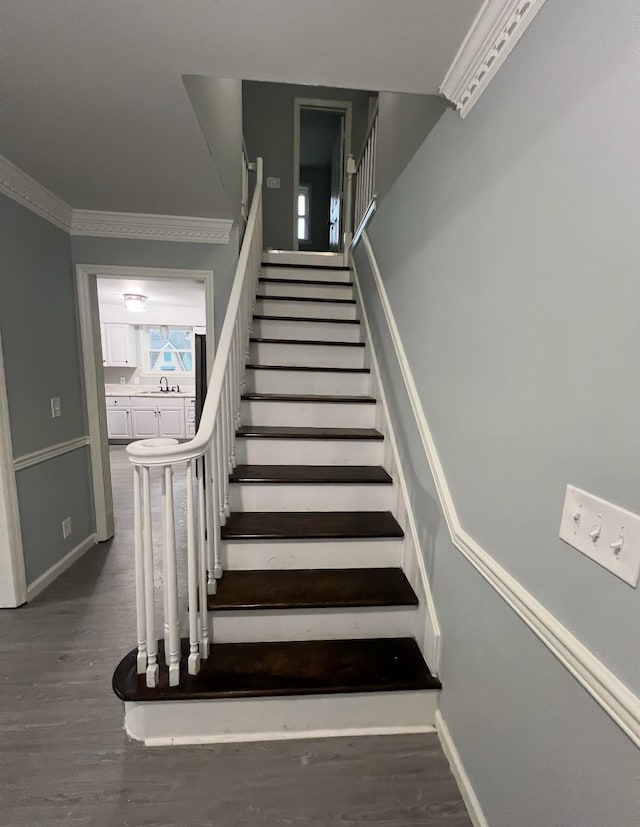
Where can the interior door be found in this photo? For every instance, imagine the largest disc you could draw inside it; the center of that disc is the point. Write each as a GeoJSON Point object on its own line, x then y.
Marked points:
{"type": "Point", "coordinates": [337, 176]}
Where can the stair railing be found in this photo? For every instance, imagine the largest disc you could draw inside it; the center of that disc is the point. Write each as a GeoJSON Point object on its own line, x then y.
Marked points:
{"type": "Point", "coordinates": [365, 188]}
{"type": "Point", "coordinates": [203, 465]}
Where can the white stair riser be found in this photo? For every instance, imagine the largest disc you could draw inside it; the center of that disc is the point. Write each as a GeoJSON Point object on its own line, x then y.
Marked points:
{"type": "Point", "coordinates": [318, 260]}
{"type": "Point", "coordinates": [255, 451]}
{"type": "Point", "coordinates": [171, 723]}
{"type": "Point", "coordinates": [313, 310]}
{"type": "Point", "coordinates": [257, 625]}
{"type": "Point", "coordinates": [310, 497]}
{"type": "Point", "coordinates": [318, 291]}
{"type": "Point", "coordinates": [249, 555]}
{"type": "Point", "coordinates": [309, 414]}
{"type": "Point", "coordinates": [306, 273]}
{"type": "Point", "coordinates": [302, 381]}
{"type": "Point", "coordinates": [267, 353]}
{"type": "Point", "coordinates": [325, 331]}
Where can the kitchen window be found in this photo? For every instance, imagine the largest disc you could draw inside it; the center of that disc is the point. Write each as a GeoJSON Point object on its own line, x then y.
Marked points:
{"type": "Point", "coordinates": [168, 349]}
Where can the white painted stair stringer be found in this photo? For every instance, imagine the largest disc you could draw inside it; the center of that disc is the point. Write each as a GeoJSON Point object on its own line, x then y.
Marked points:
{"type": "Point", "coordinates": [414, 566]}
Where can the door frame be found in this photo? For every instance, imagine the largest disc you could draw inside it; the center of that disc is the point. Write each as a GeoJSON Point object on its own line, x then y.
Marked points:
{"type": "Point", "coordinates": [93, 371]}
{"type": "Point", "coordinates": [329, 106]}
{"type": "Point", "coordinates": [13, 581]}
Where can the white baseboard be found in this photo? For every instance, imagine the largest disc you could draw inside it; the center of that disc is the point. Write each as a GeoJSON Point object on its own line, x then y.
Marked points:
{"type": "Point", "coordinates": [460, 774]}
{"type": "Point", "coordinates": [615, 698]}
{"type": "Point", "coordinates": [430, 643]}
{"type": "Point", "coordinates": [41, 583]}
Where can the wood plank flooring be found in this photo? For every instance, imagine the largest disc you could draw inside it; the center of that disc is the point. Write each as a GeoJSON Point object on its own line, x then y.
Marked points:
{"type": "Point", "coordinates": [65, 759]}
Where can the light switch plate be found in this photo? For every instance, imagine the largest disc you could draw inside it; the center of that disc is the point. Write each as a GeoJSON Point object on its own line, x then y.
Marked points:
{"type": "Point", "coordinates": [273, 183]}
{"type": "Point", "coordinates": [56, 408]}
{"type": "Point", "coordinates": [66, 527]}
{"type": "Point", "coordinates": [606, 533]}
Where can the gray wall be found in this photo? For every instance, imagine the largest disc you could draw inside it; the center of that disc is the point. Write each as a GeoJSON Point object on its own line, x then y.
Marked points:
{"type": "Point", "coordinates": [39, 324]}
{"type": "Point", "coordinates": [123, 252]}
{"type": "Point", "coordinates": [404, 121]}
{"type": "Point", "coordinates": [267, 110]}
{"type": "Point", "coordinates": [509, 251]}
{"type": "Point", "coordinates": [217, 103]}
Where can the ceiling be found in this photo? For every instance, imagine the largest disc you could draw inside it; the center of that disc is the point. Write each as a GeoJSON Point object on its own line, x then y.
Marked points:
{"type": "Point", "coordinates": [159, 292]}
{"type": "Point", "coordinates": [92, 103]}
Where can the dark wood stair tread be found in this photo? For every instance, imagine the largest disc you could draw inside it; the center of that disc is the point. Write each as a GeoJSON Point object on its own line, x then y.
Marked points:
{"type": "Point", "coordinates": [308, 397]}
{"type": "Point", "coordinates": [286, 668]}
{"type": "Point", "coordinates": [306, 266]}
{"type": "Point", "coordinates": [260, 297]}
{"type": "Point", "coordinates": [307, 368]}
{"type": "Point", "coordinates": [319, 319]}
{"type": "Point", "coordinates": [321, 282]}
{"type": "Point", "coordinates": [305, 342]}
{"type": "Point", "coordinates": [311, 474]}
{"type": "Point", "coordinates": [311, 525]}
{"type": "Point", "coordinates": [312, 589]}
{"type": "Point", "coordinates": [298, 432]}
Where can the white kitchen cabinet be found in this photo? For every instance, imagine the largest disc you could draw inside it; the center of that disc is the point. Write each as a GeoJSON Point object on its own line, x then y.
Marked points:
{"type": "Point", "coordinates": [190, 417]}
{"type": "Point", "coordinates": [144, 422]}
{"type": "Point", "coordinates": [119, 345]}
{"type": "Point", "coordinates": [118, 417]}
{"type": "Point", "coordinates": [171, 420]}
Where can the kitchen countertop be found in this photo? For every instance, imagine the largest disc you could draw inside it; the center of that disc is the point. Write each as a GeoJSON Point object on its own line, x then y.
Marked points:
{"type": "Point", "coordinates": [144, 390]}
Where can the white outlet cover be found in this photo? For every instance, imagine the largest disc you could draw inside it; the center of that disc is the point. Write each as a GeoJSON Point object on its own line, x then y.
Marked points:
{"type": "Point", "coordinates": [66, 528]}
{"type": "Point", "coordinates": [273, 183]}
{"type": "Point", "coordinates": [597, 528]}
{"type": "Point", "coordinates": [56, 408]}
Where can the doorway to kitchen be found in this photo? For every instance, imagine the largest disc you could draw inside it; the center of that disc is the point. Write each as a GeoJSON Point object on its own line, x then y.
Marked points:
{"type": "Point", "coordinates": [322, 141]}
{"type": "Point", "coordinates": [143, 330]}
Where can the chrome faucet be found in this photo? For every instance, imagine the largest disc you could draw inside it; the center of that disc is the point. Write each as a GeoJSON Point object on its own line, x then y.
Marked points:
{"type": "Point", "coordinates": [166, 387]}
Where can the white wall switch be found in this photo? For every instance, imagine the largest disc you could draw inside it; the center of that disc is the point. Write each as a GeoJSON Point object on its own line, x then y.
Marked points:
{"type": "Point", "coordinates": [273, 183]}
{"type": "Point", "coordinates": [56, 409]}
{"type": "Point", "coordinates": [122, 380]}
{"type": "Point", "coordinates": [606, 533]}
{"type": "Point", "coordinates": [66, 527]}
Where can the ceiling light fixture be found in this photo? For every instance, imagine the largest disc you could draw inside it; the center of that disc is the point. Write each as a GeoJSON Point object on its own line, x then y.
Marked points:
{"type": "Point", "coordinates": [134, 302]}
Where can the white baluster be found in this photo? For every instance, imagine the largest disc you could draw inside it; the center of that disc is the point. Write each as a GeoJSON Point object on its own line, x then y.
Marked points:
{"type": "Point", "coordinates": [202, 563]}
{"type": "Point", "coordinates": [192, 579]}
{"type": "Point", "coordinates": [220, 469]}
{"type": "Point", "coordinates": [212, 518]}
{"type": "Point", "coordinates": [141, 662]}
{"type": "Point", "coordinates": [230, 421]}
{"type": "Point", "coordinates": [172, 657]}
{"type": "Point", "coordinates": [152, 644]}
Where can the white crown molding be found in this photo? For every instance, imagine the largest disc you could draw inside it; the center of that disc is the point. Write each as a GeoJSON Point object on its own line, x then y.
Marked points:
{"type": "Point", "coordinates": [151, 227]}
{"type": "Point", "coordinates": [16, 184]}
{"type": "Point", "coordinates": [617, 700]}
{"type": "Point", "coordinates": [495, 31]}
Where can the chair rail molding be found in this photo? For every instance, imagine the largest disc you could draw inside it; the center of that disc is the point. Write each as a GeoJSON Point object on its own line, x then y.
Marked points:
{"type": "Point", "coordinates": [617, 700]}
{"type": "Point", "coordinates": [16, 184]}
{"type": "Point", "coordinates": [45, 454]}
{"type": "Point", "coordinates": [151, 227]}
{"type": "Point", "coordinates": [495, 31]}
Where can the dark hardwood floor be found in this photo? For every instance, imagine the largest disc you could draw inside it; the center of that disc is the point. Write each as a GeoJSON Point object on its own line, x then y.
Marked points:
{"type": "Point", "coordinates": [65, 759]}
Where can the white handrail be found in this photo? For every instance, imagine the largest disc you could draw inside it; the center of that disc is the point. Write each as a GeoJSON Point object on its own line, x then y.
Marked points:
{"type": "Point", "coordinates": [205, 462]}
{"type": "Point", "coordinates": [147, 451]}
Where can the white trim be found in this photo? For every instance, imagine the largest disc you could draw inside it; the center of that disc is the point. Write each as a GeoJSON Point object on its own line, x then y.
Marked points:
{"type": "Point", "coordinates": [44, 454]}
{"type": "Point", "coordinates": [366, 218]}
{"type": "Point", "coordinates": [13, 587]}
{"type": "Point", "coordinates": [478, 818]}
{"type": "Point", "coordinates": [331, 106]}
{"type": "Point", "coordinates": [41, 583]}
{"type": "Point", "coordinates": [16, 184]}
{"type": "Point", "coordinates": [151, 227]}
{"type": "Point", "coordinates": [432, 635]}
{"type": "Point", "coordinates": [253, 737]}
{"type": "Point", "coordinates": [91, 351]}
{"type": "Point", "coordinates": [495, 31]}
{"type": "Point", "coordinates": [617, 700]}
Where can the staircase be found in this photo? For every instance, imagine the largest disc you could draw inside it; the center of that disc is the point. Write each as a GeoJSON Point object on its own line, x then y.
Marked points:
{"type": "Point", "coordinates": [313, 625]}
{"type": "Point", "coordinates": [314, 604]}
